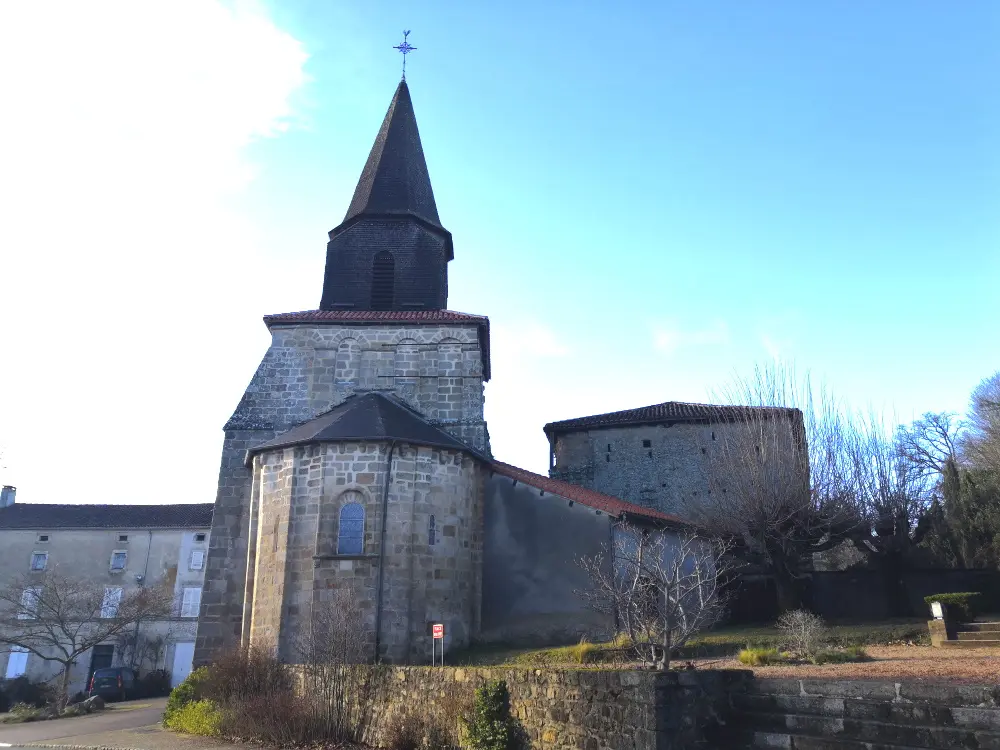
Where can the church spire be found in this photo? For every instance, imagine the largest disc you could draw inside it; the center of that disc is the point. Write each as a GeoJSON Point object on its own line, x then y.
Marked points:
{"type": "Point", "coordinates": [390, 252]}
{"type": "Point", "coordinates": [395, 178]}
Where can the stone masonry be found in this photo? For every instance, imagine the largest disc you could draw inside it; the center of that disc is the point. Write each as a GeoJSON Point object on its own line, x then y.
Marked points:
{"type": "Point", "coordinates": [309, 368]}
{"type": "Point", "coordinates": [432, 569]}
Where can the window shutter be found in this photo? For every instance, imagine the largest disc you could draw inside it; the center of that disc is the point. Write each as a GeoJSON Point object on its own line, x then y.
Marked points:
{"type": "Point", "coordinates": [191, 602]}
{"type": "Point", "coordinates": [112, 599]}
{"type": "Point", "coordinates": [29, 603]}
{"type": "Point", "coordinates": [197, 559]}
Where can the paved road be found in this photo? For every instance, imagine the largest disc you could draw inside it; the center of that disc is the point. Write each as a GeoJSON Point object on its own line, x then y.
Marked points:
{"type": "Point", "coordinates": [133, 724]}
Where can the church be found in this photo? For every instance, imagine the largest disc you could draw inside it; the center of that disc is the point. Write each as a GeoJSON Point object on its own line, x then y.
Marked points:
{"type": "Point", "coordinates": [358, 459]}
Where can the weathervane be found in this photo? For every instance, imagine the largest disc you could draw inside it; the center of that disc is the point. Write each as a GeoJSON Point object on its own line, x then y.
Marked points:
{"type": "Point", "coordinates": [406, 48]}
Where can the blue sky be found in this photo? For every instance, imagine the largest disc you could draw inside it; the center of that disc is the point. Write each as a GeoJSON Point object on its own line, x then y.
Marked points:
{"type": "Point", "coordinates": [644, 201]}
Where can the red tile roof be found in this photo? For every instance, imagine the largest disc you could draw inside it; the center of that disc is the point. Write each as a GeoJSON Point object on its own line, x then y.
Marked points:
{"type": "Point", "coordinates": [422, 317]}
{"type": "Point", "coordinates": [374, 317]}
{"type": "Point", "coordinates": [613, 506]}
{"type": "Point", "coordinates": [669, 411]}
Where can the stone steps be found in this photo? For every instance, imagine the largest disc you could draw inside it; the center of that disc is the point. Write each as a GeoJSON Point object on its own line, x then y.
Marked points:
{"type": "Point", "coordinates": [971, 644]}
{"type": "Point", "coordinates": [977, 635]}
{"type": "Point", "coordinates": [867, 731]}
{"type": "Point", "coordinates": [867, 715]}
{"type": "Point", "coordinates": [982, 627]}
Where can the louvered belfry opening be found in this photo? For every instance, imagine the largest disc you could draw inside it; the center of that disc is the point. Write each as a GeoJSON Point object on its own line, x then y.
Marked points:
{"type": "Point", "coordinates": [383, 281]}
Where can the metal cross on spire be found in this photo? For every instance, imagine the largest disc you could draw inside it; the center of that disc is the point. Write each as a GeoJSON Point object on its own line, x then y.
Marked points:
{"type": "Point", "coordinates": [406, 48]}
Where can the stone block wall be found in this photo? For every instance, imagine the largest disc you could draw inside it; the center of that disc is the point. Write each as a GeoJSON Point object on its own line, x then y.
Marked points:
{"type": "Point", "coordinates": [432, 571]}
{"type": "Point", "coordinates": [437, 369]}
{"type": "Point", "coordinates": [588, 709]}
{"type": "Point", "coordinates": [661, 466]}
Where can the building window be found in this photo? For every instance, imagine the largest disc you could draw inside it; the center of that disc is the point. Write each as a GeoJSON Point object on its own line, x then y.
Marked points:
{"type": "Point", "coordinates": [43, 537]}
{"type": "Point", "coordinates": [351, 533]}
{"type": "Point", "coordinates": [118, 559]}
{"type": "Point", "coordinates": [191, 601]}
{"type": "Point", "coordinates": [647, 443]}
{"type": "Point", "coordinates": [38, 560]}
{"type": "Point", "coordinates": [197, 561]}
{"type": "Point", "coordinates": [17, 662]}
{"type": "Point", "coordinates": [200, 537]}
{"type": "Point", "coordinates": [431, 532]}
{"type": "Point", "coordinates": [29, 603]}
{"type": "Point", "coordinates": [383, 281]}
{"type": "Point", "coordinates": [123, 537]}
{"type": "Point", "coordinates": [112, 598]}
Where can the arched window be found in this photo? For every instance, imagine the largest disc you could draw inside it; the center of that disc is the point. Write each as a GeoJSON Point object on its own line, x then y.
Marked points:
{"type": "Point", "coordinates": [383, 281]}
{"type": "Point", "coordinates": [351, 536]}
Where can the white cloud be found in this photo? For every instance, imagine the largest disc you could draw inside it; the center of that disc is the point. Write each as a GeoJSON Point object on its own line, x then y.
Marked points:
{"type": "Point", "coordinates": [123, 142]}
{"type": "Point", "coordinates": [669, 337]}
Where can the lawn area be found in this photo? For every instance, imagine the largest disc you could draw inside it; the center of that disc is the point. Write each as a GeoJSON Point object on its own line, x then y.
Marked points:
{"type": "Point", "coordinates": [723, 642]}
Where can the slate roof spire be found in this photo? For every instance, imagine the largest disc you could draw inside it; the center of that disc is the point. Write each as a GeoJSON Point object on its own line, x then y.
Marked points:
{"type": "Point", "coordinates": [390, 252]}
{"type": "Point", "coordinates": [395, 178]}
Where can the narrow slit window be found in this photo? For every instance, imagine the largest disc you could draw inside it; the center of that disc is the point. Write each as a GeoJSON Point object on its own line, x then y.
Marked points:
{"type": "Point", "coordinates": [431, 532]}
{"type": "Point", "coordinates": [351, 536]}
{"type": "Point", "coordinates": [383, 281]}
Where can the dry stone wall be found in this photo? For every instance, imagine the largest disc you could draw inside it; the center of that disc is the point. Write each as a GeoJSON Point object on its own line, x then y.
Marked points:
{"type": "Point", "coordinates": [582, 709]}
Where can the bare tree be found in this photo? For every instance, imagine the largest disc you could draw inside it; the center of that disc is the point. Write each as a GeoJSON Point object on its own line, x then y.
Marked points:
{"type": "Point", "coordinates": [780, 479]}
{"type": "Point", "coordinates": [661, 588]}
{"type": "Point", "coordinates": [895, 480]}
{"type": "Point", "coordinates": [926, 445]}
{"type": "Point", "coordinates": [58, 618]}
{"type": "Point", "coordinates": [982, 441]}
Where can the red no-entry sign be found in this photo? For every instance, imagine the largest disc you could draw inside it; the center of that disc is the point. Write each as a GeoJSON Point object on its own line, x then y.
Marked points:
{"type": "Point", "coordinates": [437, 630]}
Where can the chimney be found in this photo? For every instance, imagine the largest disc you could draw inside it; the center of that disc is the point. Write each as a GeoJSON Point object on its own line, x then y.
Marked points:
{"type": "Point", "coordinates": [7, 496]}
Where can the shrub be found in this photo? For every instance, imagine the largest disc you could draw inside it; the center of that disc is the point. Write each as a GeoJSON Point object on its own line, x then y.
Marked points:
{"type": "Point", "coordinates": [491, 727]}
{"type": "Point", "coordinates": [584, 652]}
{"type": "Point", "coordinates": [187, 692]}
{"type": "Point", "coordinates": [760, 657]}
{"type": "Point", "coordinates": [405, 732]}
{"type": "Point", "coordinates": [839, 656]}
{"type": "Point", "coordinates": [962, 607]}
{"type": "Point", "coordinates": [23, 690]}
{"type": "Point", "coordinates": [196, 717]}
{"type": "Point", "coordinates": [802, 631]}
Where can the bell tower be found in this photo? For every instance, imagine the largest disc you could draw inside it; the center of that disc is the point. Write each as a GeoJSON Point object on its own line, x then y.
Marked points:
{"type": "Point", "coordinates": [390, 252]}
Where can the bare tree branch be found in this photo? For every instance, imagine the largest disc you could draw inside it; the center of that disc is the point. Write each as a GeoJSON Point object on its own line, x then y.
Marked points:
{"type": "Point", "coordinates": [58, 617]}
{"type": "Point", "coordinates": [660, 587]}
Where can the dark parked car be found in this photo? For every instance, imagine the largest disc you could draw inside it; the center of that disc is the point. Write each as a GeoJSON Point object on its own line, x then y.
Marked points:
{"type": "Point", "coordinates": [115, 683]}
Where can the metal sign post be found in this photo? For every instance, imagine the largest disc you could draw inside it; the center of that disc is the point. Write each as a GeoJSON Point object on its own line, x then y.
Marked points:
{"type": "Point", "coordinates": [437, 634]}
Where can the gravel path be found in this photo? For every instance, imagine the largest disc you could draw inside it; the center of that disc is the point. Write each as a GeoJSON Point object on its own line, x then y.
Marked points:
{"type": "Point", "coordinates": [979, 666]}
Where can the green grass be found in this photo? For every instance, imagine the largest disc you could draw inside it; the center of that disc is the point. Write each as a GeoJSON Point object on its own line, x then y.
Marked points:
{"type": "Point", "coordinates": [715, 643]}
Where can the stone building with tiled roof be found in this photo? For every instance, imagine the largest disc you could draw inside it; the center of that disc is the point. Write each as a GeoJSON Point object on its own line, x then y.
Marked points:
{"type": "Point", "coordinates": [358, 460]}
{"type": "Point", "coordinates": [660, 456]}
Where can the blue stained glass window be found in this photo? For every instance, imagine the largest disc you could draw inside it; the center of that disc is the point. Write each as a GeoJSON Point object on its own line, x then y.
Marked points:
{"type": "Point", "coordinates": [351, 539]}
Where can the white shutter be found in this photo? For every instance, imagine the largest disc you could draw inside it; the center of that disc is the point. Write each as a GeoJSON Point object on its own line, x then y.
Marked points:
{"type": "Point", "coordinates": [17, 663]}
{"type": "Point", "coordinates": [112, 598]}
{"type": "Point", "coordinates": [29, 603]}
{"type": "Point", "coordinates": [191, 602]}
{"type": "Point", "coordinates": [197, 559]}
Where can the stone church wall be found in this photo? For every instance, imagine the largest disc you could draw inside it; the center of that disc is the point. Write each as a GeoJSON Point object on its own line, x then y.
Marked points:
{"type": "Point", "coordinates": [307, 370]}
{"type": "Point", "coordinates": [533, 540]}
{"type": "Point", "coordinates": [432, 569]}
{"type": "Point", "coordinates": [665, 467]}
